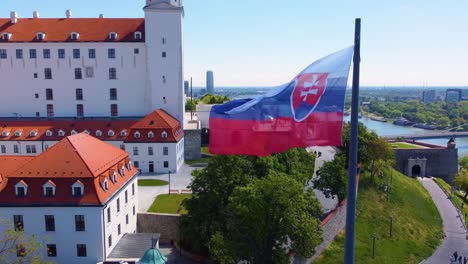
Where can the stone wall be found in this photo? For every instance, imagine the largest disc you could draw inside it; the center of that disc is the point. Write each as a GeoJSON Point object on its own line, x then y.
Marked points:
{"type": "Point", "coordinates": [440, 162]}
{"type": "Point", "coordinates": [164, 224]}
{"type": "Point", "coordinates": [192, 143]}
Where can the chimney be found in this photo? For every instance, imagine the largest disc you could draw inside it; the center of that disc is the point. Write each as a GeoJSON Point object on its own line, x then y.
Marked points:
{"type": "Point", "coordinates": [14, 17]}
{"type": "Point", "coordinates": [68, 13]}
{"type": "Point", "coordinates": [101, 16]}
{"type": "Point", "coordinates": [36, 14]}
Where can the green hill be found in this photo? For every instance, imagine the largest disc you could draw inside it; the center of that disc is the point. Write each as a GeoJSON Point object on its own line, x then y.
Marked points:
{"type": "Point", "coordinates": [416, 226]}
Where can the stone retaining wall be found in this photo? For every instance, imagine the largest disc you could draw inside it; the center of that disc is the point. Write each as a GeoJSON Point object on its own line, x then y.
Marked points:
{"type": "Point", "coordinates": [164, 224]}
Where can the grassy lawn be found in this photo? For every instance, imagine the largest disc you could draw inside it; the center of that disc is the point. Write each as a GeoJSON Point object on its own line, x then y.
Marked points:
{"type": "Point", "coordinates": [169, 204]}
{"type": "Point", "coordinates": [404, 145]}
{"type": "Point", "coordinates": [416, 226]}
{"type": "Point", "coordinates": [457, 196]}
{"type": "Point", "coordinates": [151, 182]}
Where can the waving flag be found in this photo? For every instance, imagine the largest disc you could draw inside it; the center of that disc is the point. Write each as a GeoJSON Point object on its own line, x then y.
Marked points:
{"type": "Point", "coordinates": [308, 111]}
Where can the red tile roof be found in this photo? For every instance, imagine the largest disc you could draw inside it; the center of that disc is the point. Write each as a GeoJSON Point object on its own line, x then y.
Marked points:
{"type": "Point", "coordinates": [60, 29]}
{"type": "Point", "coordinates": [157, 121]}
{"type": "Point", "coordinates": [80, 158]}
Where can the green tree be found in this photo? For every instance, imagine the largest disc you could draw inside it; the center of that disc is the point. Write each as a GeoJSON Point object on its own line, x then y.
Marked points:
{"type": "Point", "coordinates": [333, 178]}
{"type": "Point", "coordinates": [268, 217]}
{"type": "Point", "coordinates": [463, 162]}
{"type": "Point", "coordinates": [191, 105]}
{"type": "Point", "coordinates": [461, 181]}
{"type": "Point", "coordinates": [380, 154]}
{"type": "Point", "coordinates": [12, 240]}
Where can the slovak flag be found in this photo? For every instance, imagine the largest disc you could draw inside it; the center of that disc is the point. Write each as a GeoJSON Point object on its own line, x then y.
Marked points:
{"type": "Point", "coordinates": [308, 111]}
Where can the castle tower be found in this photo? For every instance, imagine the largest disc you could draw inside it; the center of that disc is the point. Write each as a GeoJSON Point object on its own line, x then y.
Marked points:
{"type": "Point", "coordinates": [164, 56]}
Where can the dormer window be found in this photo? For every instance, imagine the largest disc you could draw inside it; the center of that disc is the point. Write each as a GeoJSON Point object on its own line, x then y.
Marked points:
{"type": "Point", "coordinates": [113, 36]}
{"type": "Point", "coordinates": [114, 177]}
{"type": "Point", "coordinates": [111, 133]}
{"type": "Point", "coordinates": [122, 171]}
{"type": "Point", "coordinates": [73, 132]}
{"type": "Point", "coordinates": [6, 36]}
{"type": "Point", "coordinates": [77, 189]}
{"type": "Point", "coordinates": [18, 133]}
{"type": "Point", "coordinates": [136, 134]}
{"type": "Point", "coordinates": [33, 133]}
{"type": "Point", "coordinates": [129, 166]}
{"type": "Point", "coordinates": [40, 35]}
{"type": "Point", "coordinates": [123, 133]}
{"type": "Point", "coordinates": [61, 133]}
{"type": "Point", "coordinates": [150, 134]}
{"type": "Point", "coordinates": [49, 133]}
{"type": "Point", "coordinates": [98, 133]}
{"type": "Point", "coordinates": [87, 132]}
{"type": "Point", "coordinates": [5, 133]}
{"type": "Point", "coordinates": [21, 189]}
{"type": "Point", "coordinates": [74, 36]}
{"type": "Point", "coordinates": [138, 35]}
{"type": "Point", "coordinates": [49, 189]}
{"type": "Point", "coordinates": [164, 134]}
{"type": "Point", "coordinates": [105, 184]}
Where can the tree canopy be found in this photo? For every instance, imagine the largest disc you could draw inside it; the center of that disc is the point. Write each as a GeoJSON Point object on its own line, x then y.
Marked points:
{"type": "Point", "coordinates": [333, 178]}
{"type": "Point", "coordinates": [461, 181]}
{"type": "Point", "coordinates": [464, 162]}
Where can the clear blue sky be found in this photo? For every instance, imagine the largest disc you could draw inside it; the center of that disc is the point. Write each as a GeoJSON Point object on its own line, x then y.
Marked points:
{"type": "Point", "coordinates": [255, 43]}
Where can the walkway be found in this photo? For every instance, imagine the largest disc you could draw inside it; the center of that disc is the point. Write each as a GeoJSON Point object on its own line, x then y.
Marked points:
{"type": "Point", "coordinates": [429, 135]}
{"type": "Point", "coordinates": [455, 233]}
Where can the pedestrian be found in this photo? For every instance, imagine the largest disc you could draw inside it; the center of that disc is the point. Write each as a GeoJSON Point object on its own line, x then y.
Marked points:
{"type": "Point", "coordinates": [460, 260]}
{"type": "Point", "coordinates": [452, 259]}
{"type": "Point", "coordinates": [465, 260]}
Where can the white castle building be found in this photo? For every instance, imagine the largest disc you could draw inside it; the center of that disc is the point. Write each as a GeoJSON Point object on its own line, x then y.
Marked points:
{"type": "Point", "coordinates": [79, 198]}
{"type": "Point", "coordinates": [101, 76]}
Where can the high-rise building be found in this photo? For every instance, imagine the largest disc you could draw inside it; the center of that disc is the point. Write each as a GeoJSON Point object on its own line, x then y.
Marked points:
{"type": "Point", "coordinates": [186, 88]}
{"type": "Point", "coordinates": [209, 82]}
{"type": "Point", "coordinates": [429, 96]}
{"type": "Point", "coordinates": [453, 96]}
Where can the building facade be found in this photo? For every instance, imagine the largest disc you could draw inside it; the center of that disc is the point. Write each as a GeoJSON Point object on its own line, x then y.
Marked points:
{"type": "Point", "coordinates": [209, 82]}
{"type": "Point", "coordinates": [453, 96]}
{"type": "Point", "coordinates": [93, 67]}
{"type": "Point", "coordinates": [429, 96]}
{"type": "Point", "coordinates": [78, 197]}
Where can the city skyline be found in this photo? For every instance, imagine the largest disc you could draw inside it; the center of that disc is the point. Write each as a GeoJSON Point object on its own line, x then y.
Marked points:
{"type": "Point", "coordinates": [253, 44]}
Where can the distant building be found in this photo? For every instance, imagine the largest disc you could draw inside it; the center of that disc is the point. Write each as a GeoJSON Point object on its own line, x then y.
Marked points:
{"type": "Point", "coordinates": [453, 95]}
{"type": "Point", "coordinates": [209, 82]}
{"type": "Point", "coordinates": [186, 88]}
{"type": "Point", "coordinates": [429, 96]}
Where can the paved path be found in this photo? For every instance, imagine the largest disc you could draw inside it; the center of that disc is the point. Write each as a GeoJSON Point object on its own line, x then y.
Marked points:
{"type": "Point", "coordinates": [455, 233]}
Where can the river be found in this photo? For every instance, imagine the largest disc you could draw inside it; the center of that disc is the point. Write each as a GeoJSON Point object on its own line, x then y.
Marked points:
{"type": "Point", "coordinates": [389, 129]}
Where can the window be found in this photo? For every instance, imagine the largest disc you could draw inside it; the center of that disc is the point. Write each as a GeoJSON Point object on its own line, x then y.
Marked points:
{"type": "Point", "coordinates": [111, 53]}
{"type": "Point", "coordinates": [18, 221]}
{"type": "Point", "coordinates": [98, 133]}
{"type": "Point", "coordinates": [3, 54]}
{"type": "Point", "coordinates": [20, 192]}
{"type": "Point", "coordinates": [61, 133]}
{"type": "Point", "coordinates": [46, 53]}
{"type": "Point", "coordinates": [110, 133]}
{"type": "Point", "coordinates": [123, 133]}
{"type": "Point", "coordinates": [113, 93]}
{"type": "Point", "coordinates": [89, 72]}
{"type": "Point", "coordinates": [113, 36]}
{"type": "Point", "coordinates": [81, 250]}
{"type": "Point", "coordinates": [35, 75]}
{"type": "Point", "coordinates": [49, 191]}
{"type": "Point", "coordinates": [78, 74]}
{"type": "Point", "coordinates": [134, 211]}
{"type": "Point", "coordinates": [150, 134]}
{"type": "Point", "coordinates": [48, 73]}
{"type": "Point", "coordinates": [76, 53]}
{"type": "Point", "coordinates": [79, 94]}
{"type": "Point", "coordinates": [122, 146]}
{"type": "Point", "coordinates": [118, 230]}
{"type": "Point", "coordinates": [150, 151]}
{"type": "Point", "coordinates": [15, 149]}
{"type": "Point", "coordinates": [136, 134]}
{"type": "Point", "coordinates": [19, 53]}
{"type": "Point", "coordinates": [126, 196]}
{"type": "Point", "coordinates": [32, 53]}
{"type": "Point", "coordinates": [50, 110]}
{"type": "Point", "coordinates": [61, 53]}
{"type": "Point", "coordinates": [49, 223]}
{"type": "Point", "coordinates": [79, 110]}
{"type": "Point", "coordinates": [114, 110]}
{"type": "Point", "coordinates": [135, 151]}
{"type": "Point", "coordinates": [108, 215]}
{"type": "Point", "coordinates": [136, 51]}
{"type": "Point", "coordinates": [80, 223]}
{"type": "Point", "coordinates": [166, 164]}
{"type": "Point", "coordinates": [92, 53]}
{"type": "Point", "coordinates": [40, 35]}
{"type": "Point", "coordinates": [3, 147]}
{"type": "Point", "coordinates": [164, 134]}
{"type": "Point", "coordinates": [164, 81]}
{"type": "Point", "coordinates": [31, 149]}
{"type": "Point", "coordinates": [118, 205]}
{"type": "Point", "coordinates": [49, 94]}
{"type": "Point", "coordinates": [165, 151]}
{"type": "Point", "coordinates": [126, 219]}
{"type": "Point", "coordinates": [74, 36]}
{"type": "Point", "coordinates": [163, 41]}
{"type": "Point", "coordinates": [51, 250]}
{"type": "Point", "coordinates": [136, 164]}
{"type": "Point", "coordinates": [77, 191]}
{"type": "Point", "coordinates": [6, 36]}
{"type": "Point", "coordinates": [109, 240]}
{"type": "Point", "coordinates": [163, 54]}
{"type": "Point", "coordinates": [112, 73]}
{"type": "Point", "coordinates": [133, 186]}
{"type": "Point", "coordinates": [137, 35]}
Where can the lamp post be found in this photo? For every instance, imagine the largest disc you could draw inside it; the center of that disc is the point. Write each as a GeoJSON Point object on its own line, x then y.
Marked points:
{"type": "Point", "coordinates": [391, 226]}
{"type": "Point", "coordinates": [374, 237]}
{"type": "Point", "coordinates": [169, 182]}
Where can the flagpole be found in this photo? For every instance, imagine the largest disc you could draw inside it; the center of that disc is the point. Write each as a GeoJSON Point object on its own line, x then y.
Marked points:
{"type": "Point", "coordinates": [353, 147]}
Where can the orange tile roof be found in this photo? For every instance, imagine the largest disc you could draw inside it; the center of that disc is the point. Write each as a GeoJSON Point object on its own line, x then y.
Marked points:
{"type": "Point", "coordinates": [78, 158]}
{"type": "Point", "coordinates": [59, 29]}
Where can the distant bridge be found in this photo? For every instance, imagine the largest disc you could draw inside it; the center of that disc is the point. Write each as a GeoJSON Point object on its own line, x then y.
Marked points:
{"type": "Point", "coordinates": [429, 135]}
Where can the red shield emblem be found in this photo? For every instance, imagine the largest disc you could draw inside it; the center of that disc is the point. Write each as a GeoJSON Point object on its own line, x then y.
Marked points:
{"type": "Point", "coordinates": [308, 90]}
